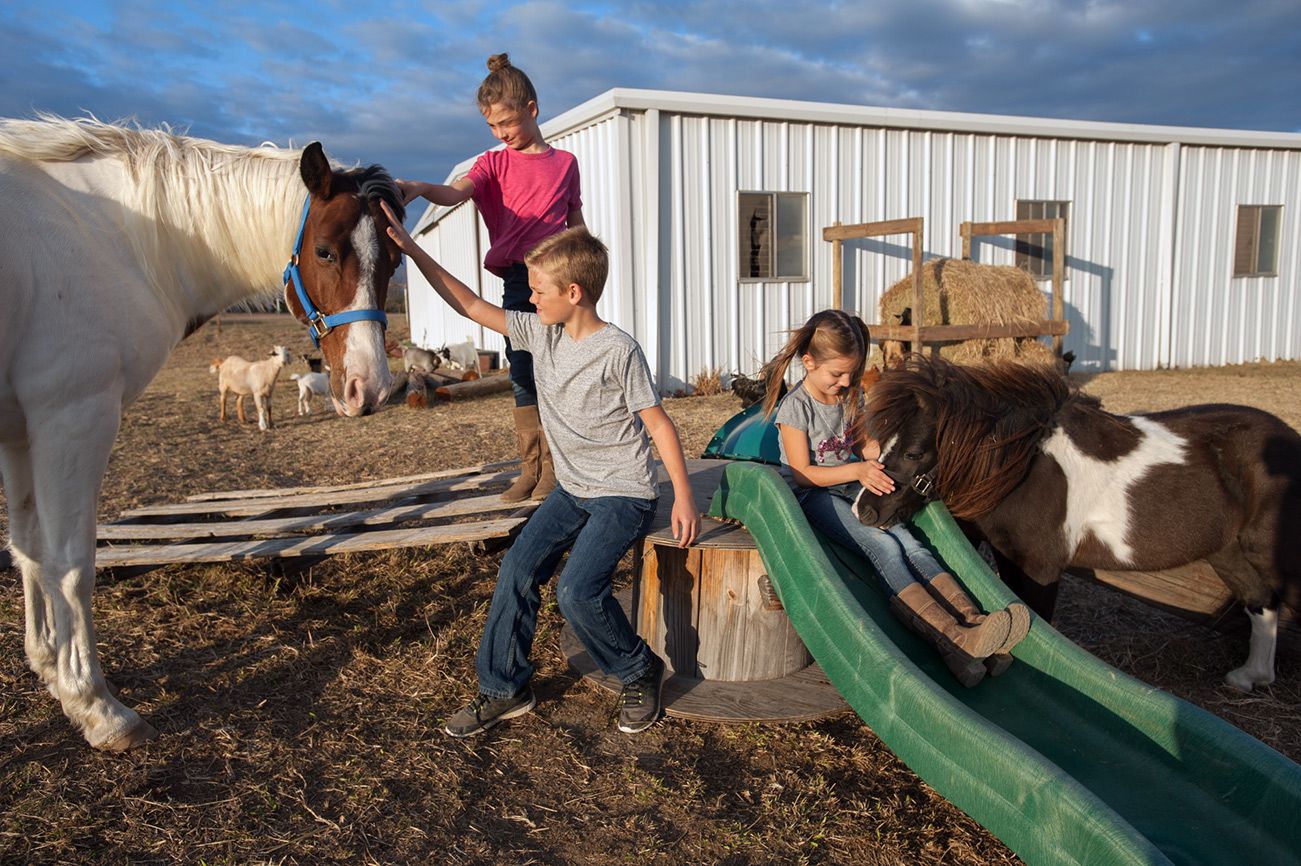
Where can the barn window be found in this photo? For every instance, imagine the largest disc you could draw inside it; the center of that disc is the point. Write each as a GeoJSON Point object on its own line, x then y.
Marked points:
{"type": "Point", "coordinates": [1034, 251]}
{"type": "Point", "coordinates": [773, 240]}
{"type": "Point", "coordinates": [1255, 250]}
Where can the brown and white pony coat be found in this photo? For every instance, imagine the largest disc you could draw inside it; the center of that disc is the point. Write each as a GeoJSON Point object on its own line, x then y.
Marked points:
{"type": "Point", "coordinates": [1054, 481]}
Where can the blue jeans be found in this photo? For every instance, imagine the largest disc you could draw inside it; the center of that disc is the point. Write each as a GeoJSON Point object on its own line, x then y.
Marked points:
{"type": "Point", "coordinates": [596, 532]}
{"type": "Point", "coordinates": [515, 296]}
{"type": "Point", "coordinates": [896, 554]}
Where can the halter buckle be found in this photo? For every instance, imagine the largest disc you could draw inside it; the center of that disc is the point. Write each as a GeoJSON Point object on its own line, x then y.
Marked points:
{"type": "Point", "coordinates": [317, 325]}
{"type": "Point", "coordinates": [923, 484]}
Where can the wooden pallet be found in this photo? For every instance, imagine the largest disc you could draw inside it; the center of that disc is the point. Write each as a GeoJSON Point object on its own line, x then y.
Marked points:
{"type": "Point", "coordinates": [415, 511]}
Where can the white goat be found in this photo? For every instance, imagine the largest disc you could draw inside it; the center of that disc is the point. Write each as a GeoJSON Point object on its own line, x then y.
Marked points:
{"type": "Point", "coordinates": [461, 356]}
{"type": "Point", "coordinates": [247, 377]}
{"type": "Point", "coordinates": [311, 385]}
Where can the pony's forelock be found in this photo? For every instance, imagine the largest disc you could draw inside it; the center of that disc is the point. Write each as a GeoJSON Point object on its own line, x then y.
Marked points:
{"type": "Point", "coordinates": [989, 421]}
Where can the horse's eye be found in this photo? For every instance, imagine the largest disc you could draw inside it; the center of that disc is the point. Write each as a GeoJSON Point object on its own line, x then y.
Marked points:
{"type": "Point", "coordinates": [913, 455]}
{"type": "Point", "coordinates": [325, 255]}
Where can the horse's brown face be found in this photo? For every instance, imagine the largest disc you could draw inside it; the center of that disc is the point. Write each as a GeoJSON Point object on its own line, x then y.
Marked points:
{"type": "Point", "coordinates": [346, 262]}
{"type": "Point", "coordinates": [909, 458]}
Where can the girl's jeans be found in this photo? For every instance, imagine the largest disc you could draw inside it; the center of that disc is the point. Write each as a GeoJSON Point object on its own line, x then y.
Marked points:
{"type": "Point", "coordinates": [596, 532]}
{"type": "Point", "coordinates": [896, 554]}
{"type": "Point", "coordinates": [515, 296]}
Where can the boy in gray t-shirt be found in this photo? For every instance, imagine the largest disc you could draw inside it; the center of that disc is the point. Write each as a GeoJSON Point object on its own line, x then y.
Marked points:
{"type": "Point", "coordinates": [598, 407]}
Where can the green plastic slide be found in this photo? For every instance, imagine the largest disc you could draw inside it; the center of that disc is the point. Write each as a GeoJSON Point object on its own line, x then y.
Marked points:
{"type": "Point", "coordinates": [1064, 758]}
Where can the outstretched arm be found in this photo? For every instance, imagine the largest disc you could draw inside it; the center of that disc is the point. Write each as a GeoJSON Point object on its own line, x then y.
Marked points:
{"type": "Point", "coordinates": [456, 293]}
{"type": "Point", "coordinates": [685, 519]}
{"type": "Point", "coordinates": [445, 194]}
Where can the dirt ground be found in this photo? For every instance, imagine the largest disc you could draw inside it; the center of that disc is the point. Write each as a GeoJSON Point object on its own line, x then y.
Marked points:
{"type": "Point", "coordinates": [300, 711]}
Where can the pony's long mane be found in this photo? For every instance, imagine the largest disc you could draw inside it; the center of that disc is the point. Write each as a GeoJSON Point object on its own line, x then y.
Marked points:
{"type": "Point", "coordinates": [195, 212]}
{"type": "Point", "coordinates": [989, 421]}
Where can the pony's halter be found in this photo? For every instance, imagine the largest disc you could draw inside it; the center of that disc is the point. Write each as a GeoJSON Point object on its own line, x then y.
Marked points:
{"type": "Point", "coordinates": [922, 484]}
{"type": "Point", "coordinates": [319, 324]}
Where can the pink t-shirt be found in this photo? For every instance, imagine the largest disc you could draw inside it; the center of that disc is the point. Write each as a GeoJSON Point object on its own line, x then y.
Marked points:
{"type": "Point", "coordinates": [525, 198]}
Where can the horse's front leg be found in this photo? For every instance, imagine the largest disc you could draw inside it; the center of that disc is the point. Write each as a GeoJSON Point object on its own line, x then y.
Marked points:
{"type": "Point", "coordinates": [25, 544]}
{"type": "Point", "coordinates": [66, 473]}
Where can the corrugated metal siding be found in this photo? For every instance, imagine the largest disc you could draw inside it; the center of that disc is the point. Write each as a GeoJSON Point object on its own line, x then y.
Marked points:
{"type": "Point", "coordinates": [1149, 247]}
{"type": "Point", "coordinates": [862, 175]}
{"type": "Point", "coordinates": [1220, 319]}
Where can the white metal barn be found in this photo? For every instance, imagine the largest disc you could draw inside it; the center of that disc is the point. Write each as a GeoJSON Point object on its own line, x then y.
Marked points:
{"type": "Point", "coordinates": [1182, 243]}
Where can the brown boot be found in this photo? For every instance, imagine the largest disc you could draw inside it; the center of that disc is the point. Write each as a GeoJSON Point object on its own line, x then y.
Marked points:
{"type": "Point", "coordinates": [920, 609]}
{"type": "Point", "coordinates": [528, 436]}
{"type": "Point", "coordinates": [946, 588]}
{"type": "Point", "coordinates": [546, 472]}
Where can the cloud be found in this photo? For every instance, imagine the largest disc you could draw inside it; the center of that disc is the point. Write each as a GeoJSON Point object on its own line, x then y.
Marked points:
{"type": "Point", "coordinates": [395, 84]}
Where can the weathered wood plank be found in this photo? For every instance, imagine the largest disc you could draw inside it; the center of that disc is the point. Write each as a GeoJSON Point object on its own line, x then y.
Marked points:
{"type": "Point", "coordinates": [307, 523]}
{"type": "Point", "coordinates": [318, 545]}
{"type": "Point", "coordinates": [957, 333]}
{"type": "Point", "coordinates": [244, 507]}
{"type": "Point", "coordinates": [873, 229]}
{"type": "Point", "coordinates": [355, 485]}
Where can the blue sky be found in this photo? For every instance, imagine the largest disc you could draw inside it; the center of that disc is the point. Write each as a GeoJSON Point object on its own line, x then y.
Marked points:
{"type": "Point", "coordinates": [394, 83]}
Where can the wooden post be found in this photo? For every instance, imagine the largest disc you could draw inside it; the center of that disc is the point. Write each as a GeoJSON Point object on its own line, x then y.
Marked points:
{"type": "Point", "coordinates": [915, 226]}
{"type": "Point", "coordinates": [919, 306]}
{"type": "Point", "coordinates": [1059, 273]}
{"type": "Point", "coordinates": [837, 277]}
{"type": "Point", "coordinates": [965, 231]}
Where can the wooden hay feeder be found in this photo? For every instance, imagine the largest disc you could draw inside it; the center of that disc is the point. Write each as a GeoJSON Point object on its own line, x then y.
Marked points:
{"type": "Point", "coordinates": [710, 612]}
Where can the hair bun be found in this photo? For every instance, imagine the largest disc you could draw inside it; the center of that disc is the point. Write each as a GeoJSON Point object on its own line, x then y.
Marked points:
{"type": "Point", "coordinates": [498, 62]}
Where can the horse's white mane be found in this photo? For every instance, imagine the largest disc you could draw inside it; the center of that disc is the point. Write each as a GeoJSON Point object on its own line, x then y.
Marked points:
{"type": "Point", "coordinates": [218, 217]}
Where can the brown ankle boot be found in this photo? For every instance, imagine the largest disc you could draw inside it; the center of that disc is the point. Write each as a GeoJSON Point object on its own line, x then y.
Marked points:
{"type": "Point", "coordinates": [921, 610]}
{"type": "Point", "coordinates": [946, 588]}
{"type": "Point", "coordinates": [528, 436]}
{"type": "Point", "coordinates": [546, 472]}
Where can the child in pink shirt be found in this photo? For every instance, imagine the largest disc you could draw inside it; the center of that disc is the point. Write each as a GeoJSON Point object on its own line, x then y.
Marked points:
{"type": "Point", "coordinates": [526, 192]}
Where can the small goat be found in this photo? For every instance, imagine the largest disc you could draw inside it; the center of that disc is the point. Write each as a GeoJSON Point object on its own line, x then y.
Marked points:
{"type": "Point", "coordinates": [415, 358]}
{"type": "Point", "coordinates": [248, 377]}
{"type": "Point", "coordinates": [461, 356]}
{"type": "Point", "coordinates": [311, 385]}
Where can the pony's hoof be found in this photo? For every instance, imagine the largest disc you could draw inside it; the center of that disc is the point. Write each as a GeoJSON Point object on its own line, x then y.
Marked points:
{"type": "Point", "coordinates": [139, 735]}
{"type": "Point", "coordinates": [1243, 681]}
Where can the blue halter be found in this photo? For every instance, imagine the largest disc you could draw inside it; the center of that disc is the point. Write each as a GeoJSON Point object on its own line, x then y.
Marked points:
{"type": "Point", "coordinates": [319, 324]}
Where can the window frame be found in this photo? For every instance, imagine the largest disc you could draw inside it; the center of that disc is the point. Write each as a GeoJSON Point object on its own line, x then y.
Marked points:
{"type": "Point", "coordinates": [1254, 240]}
{"type": "Point", "coordinates": [774, 209]}
{"type": "Point", "coordinates": [1042, 241]}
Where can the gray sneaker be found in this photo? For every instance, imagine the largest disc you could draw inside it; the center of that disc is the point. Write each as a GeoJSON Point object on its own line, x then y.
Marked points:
{"type": "Point", "coordinates": [483, 712]}
{"type": "Point", "coordinates": [640, 704]}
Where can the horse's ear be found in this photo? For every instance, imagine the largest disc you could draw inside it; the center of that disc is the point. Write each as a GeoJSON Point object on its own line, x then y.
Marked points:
{"type": "Point", "coordinates": [316, 171]}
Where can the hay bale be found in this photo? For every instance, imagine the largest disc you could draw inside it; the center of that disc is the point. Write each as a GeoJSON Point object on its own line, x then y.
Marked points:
{"type": "Point", "coordinates": [960, 292]}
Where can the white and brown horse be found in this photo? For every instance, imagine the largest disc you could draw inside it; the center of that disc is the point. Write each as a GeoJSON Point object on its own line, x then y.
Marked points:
{"type": "Point", "coordinates": [116, 243]}
{"type": "Point", "coordinates": [1052, 480]}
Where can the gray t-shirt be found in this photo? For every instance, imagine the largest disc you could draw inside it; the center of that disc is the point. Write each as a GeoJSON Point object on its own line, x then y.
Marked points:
{"type": "Point", "coordinates": [589, 394]}
{"type": "Point", "coordinates": [824, 423]}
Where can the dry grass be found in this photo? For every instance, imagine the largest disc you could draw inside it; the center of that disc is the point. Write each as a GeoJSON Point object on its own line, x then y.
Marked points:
{"type": "Point", "coordinates": [300, 709]}
{"type": "Point", "coordinates": [707, 383]}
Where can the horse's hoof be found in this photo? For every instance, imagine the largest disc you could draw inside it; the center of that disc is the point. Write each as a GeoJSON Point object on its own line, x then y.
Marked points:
{"type": "Point", "coordinates": [139, 735]}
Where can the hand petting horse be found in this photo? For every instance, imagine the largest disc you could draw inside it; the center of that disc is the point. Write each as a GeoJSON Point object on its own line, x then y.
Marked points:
{"type": "Point", "coordinates": [1053, 481]}
{"type": "Point", "coordinates": [116, 244]}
